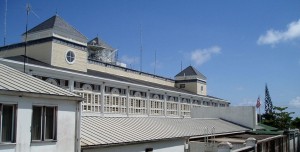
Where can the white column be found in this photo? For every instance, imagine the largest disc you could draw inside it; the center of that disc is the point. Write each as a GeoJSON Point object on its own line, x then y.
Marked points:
{"type": "Point", "coordinates": [127, 101]}
{"type": "Point", "coordinates": [148, 103]}
{"type": "Point", "coordinates": [165, 104]}
{"type": "Point", "coordinates": [102, 97]}
{"type": "Point", "coordinates": [71, 85]}
{"type": "Point", "coordinates": [179, 106]}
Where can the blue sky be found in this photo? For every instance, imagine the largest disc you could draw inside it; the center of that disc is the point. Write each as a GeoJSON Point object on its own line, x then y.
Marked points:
{"type": "Point", "coordinates": [239, 45]}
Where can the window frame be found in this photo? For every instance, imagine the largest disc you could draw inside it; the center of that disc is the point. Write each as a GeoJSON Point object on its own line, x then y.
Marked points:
{"type": "Point", "coordinates": [70, 56]}
{"type": "Point", "coordinates": [43, 125]}
{"type": "Point", "coordinates": [13, 122]}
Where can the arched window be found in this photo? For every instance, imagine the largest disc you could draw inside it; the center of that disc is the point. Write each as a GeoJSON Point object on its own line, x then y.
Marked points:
{"type": "Point", "coordinates": [115, 91]}
{"type": "Point", "coordinates": [137, 94]}
{"type": "Point", "coordinates": [87, 87]}
{"type": "Point", "coordinates": [52, 81]}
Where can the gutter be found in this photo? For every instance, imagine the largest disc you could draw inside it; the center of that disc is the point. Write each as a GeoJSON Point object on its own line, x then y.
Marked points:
{"type": "Point", "coordinates": [154, 140]}
{"type": "Point", "coordinates": [40, 95]}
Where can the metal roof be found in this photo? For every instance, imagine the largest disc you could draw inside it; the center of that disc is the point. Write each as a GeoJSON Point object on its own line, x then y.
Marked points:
{"type": "Point", "coordinates": [103, 131]}
{"type": "Point", "coordinates": [191, 71]}
{"type": "Point", "coordinates": [58, 24]}
{"type": "Point", "coordinates": [12, 80]}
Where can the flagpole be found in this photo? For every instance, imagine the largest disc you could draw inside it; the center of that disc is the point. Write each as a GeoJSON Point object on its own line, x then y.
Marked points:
{"type": "Point", "coordinates": [259, 115]}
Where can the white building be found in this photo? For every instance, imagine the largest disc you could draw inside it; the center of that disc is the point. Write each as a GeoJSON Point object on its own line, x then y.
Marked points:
{"type": "Point", "coordinates": [56, 52]}
{"type": "Point", "coordinates": [122, 108]}
{"type": "Point", "coordinates": [36, 116]}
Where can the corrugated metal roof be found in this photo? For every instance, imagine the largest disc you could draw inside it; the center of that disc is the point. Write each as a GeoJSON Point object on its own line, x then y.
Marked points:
{"type": "Point", "coordinates": [101, 131]}
{"type": "Point", "coordinates": [14, 80]}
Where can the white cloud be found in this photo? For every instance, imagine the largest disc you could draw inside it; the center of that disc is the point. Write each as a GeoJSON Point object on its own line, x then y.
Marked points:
{"type": "Point", "coordinates": [129, 60]}
{"type": "Point", "coordinates": [201, 56]}
{"type": "Point", "coordinates": [274, 36]}
{"type": "Point", "coordinates": [295, 102]}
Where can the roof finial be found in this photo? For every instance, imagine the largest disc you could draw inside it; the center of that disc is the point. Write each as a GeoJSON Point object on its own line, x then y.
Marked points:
{"type": "Point", "coordinates": [56, 14]}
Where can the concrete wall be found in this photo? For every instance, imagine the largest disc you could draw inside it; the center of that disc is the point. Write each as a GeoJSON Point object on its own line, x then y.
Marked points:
{"type": "Point", "coordinates": [58, 59]}
{"type": "Point", "coordinates": [204, 92]}
{"type": "Point", "coordinates": [194, 87]}
{"type": "Point", "coordinates": [176, 145]}
{"type": "Point", "coordinates": [123, 73]}
{"type": "Point", "coordinates": [41, 52]}
{"type": "Point", "coordinates": [66, 117]}
{"type": "Point", "coordinates": [245, 116]}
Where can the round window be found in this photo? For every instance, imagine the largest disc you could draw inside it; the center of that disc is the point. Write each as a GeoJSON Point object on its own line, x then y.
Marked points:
{"type": "Point", "coordinates": [70, 57]}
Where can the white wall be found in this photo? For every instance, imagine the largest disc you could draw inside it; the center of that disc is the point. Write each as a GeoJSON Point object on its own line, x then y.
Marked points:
{"type": "Point", "coordinates": [243, 115]}
{"type": "Point", "coordinates": [176, 145]}
{"type": "Point", "coordinates": [66, 117]}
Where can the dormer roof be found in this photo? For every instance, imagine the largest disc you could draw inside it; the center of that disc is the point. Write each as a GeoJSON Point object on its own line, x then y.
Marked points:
{"type": "Point", "coordinates": [60, 27]}
{"type": "Point", "coordinates": [191, 71]}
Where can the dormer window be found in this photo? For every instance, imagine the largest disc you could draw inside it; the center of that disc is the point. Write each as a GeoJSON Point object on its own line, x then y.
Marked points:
{"type": "Point", "coordinates": [70, 57]}
{"type": "Point", "coordinates": [182, 86]}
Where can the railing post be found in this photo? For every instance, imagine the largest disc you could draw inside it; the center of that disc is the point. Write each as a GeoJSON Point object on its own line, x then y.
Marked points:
{"type": "Point", "coordinates": [224, 147]}
{"type": "Point", "coordinates": [251, 142]}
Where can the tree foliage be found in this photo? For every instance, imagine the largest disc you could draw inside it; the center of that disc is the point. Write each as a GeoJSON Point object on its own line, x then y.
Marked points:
{"type": "Point", "coordinates": [296, 123]}
{"type": "Point", "coordinates": [278, 118]}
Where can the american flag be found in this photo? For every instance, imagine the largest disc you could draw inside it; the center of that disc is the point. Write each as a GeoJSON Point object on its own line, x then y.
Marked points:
{"type": "Point", "coordinates": [258, 103]}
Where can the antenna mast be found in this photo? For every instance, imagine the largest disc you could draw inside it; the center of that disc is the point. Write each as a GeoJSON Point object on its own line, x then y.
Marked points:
{"type": "Point", "coordinates": [181, 65]}
{"type": "Point", "coordinates": [141, 49]}
{"type": "Point", "coordinates": [155, 62]}
{"type": "Point", "coordinates": [27, 14]}
{"type": "Point", "coordinates": [5, 14]}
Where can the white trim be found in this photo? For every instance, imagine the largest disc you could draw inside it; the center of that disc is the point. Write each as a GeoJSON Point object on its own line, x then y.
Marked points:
{"type": "Point", "coordinates": [66, 57]}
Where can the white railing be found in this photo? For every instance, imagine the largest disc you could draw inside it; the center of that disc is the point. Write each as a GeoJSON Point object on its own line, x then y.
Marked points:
{"type": "Point", "coordinates": [156, 107]}
{"type": "Point", "coordinates": [91, 102]}
{"type": "Point", "coordinates": [172, 108]}
{"type": "Point", "coordinates": [137, 105]}
{"type": "Point", "coordinates": [115, 104]}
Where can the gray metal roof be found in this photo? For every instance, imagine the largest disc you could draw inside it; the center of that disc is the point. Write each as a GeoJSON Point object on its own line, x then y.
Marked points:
{"type": "Point", "coordinates": [62, 27]}
{"type": "Point", "coordinates": [102, 131]}
{"type": "Point", "coordinates": [12, 80]}
{"type": "Point", "coordinates": [191, 71]}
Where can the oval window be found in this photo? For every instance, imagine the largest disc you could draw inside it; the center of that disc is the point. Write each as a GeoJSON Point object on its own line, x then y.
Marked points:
{"type": "Point", "coordinates": [70, 57]}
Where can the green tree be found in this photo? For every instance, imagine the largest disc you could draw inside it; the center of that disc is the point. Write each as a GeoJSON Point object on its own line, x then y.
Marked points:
{"type": "Point", "coordinates": [283, 119]}
{"type": "Point", "coordinates": [278, 118]}
{"type": "Point", "coordinates": [296, 123]}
